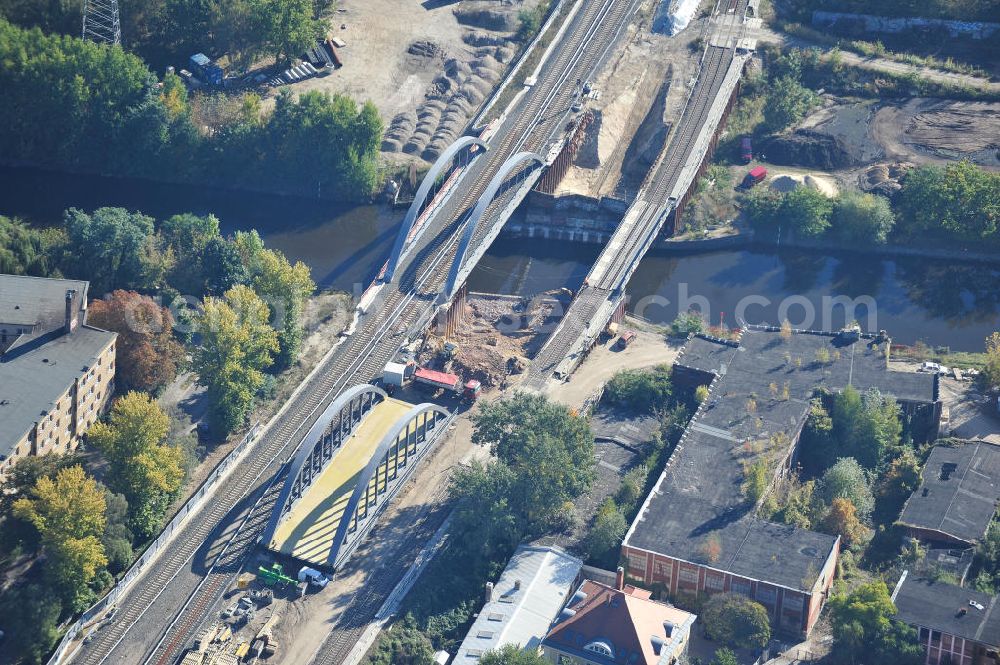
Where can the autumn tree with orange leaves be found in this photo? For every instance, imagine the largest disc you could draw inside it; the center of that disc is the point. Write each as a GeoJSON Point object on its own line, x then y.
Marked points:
{"type": "Point", "coordinates": [842, 520]}
{"type": "Point", "coordinates": [148, 354]}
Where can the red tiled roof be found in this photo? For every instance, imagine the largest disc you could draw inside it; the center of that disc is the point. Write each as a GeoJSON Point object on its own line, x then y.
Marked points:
{"type": "Point", "coordinates": [628, 619]}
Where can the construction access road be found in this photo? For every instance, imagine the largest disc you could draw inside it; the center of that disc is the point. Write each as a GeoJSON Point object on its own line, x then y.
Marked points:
{"type": "Point", "coordinates": [160, 614]}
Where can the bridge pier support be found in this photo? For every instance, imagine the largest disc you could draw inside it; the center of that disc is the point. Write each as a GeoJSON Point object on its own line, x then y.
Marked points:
{"type": "Point", "coordinates": [453, 314]}
{"type": "Point", "coordinates": [560, 166]}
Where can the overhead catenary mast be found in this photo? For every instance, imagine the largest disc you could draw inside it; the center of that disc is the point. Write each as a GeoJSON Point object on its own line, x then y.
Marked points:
{"type": "Point", "coordinates": [100, 21]}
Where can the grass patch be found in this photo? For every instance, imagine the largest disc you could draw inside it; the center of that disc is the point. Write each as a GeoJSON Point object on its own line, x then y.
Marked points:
{"type": "Point", "coordinates": [528, 66]}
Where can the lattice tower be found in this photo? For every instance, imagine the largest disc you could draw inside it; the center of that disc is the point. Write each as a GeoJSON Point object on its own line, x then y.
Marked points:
{"type": "Point", "coordinates": [100, 21]}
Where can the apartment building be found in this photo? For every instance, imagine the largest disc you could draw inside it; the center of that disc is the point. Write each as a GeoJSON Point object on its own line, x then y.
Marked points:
{"type": "Point", "coordinates": [56, 372]}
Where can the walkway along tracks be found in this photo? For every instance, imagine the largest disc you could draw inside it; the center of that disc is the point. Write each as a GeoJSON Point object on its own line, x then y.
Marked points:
{"type": "Point", "coordinates": [358, 358]}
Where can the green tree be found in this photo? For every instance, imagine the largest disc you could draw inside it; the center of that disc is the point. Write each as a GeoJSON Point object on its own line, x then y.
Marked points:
{"type": "Point", "coordinates": [114, 249]}
{"type": "Point", "coordinates": [512, 654]}
{"type": "Point", "coordinates": [848, 480]}
{"type": "Point", "coordinates": [788, 102]}
{"type": "Point", "coordinates": [960, 200]}
{"type": "Point", "coordinates": [801, 506]}
{"type": "Point", "coordinates": [403, 644]}
{"type": "Point", "coordinates": [641, 390]}
{"type": "Point", "coordinates": [94, 107]}
{"type": "Point", "coordinates": [143, 468]}
{"type": "Point", "coordinates": [188, 237]}
{"type": "Point", "coordinates": [687, 323]}
{"type": "Point", "coordinates": [236, 345]}
{"type": "Point", "coordinates": [23, 250]}
{"type": "Point", "coordinates": [900, 480]}
{"type": "Point", "coordinates": [287, 26]}
{"type": "Point", "coordinates": [991, 369]}
{"type": "Point", "coordinates": [68, 512]}
{"type": "Point", "coordinates": [550, 449]}
{"type": "Point", "coordinates": [606, 534]}
{"type": "Point", "coordinates": [864, 630]}
{"type": "Point", "coordinates": [736, 621]}
{"type": "Point", "coordinates": [807, 211]}
{"type": "Point", "coordinates": [30, 613]}
{"type": "Point", "coordinates": [284, 286]}
{"type": "Point", "coordinates": [483, 510]}
{"type": "Point", "coordinates": [756, 480]}
{"type": "Point", "coordinates": [725, 656]}
{"type": "Point", "coordinates": [222, 266]}
{"type": "Point", "coordinates": [320, 144]}
{"type": "Point", "coordinates": [762, 206]}
{"type": "Point", "coordinates": [866, 218]}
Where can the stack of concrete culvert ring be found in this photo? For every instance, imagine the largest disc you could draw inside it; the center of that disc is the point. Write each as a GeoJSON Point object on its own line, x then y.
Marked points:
{"type": "Point", "coordinates": [399, 130]}
{"type": "Point", "coordinates": [450, 99]}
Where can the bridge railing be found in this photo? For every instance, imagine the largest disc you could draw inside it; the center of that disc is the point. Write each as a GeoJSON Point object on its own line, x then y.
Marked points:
{"type": "Point", "coordinates": [204, 491]}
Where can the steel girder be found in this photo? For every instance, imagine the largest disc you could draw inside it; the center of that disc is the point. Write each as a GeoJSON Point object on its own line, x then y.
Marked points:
{"type": "Point", "coordinates": [477, 213]}
{"type": "Point", "coordinates": [442, 163]}
{"type": "Point", "coordinates": [424, 417]}
{"type": "Point", "coordinates": [319, 446]}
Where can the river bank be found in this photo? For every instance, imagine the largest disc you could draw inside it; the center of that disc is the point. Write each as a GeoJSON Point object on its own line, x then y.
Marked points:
{"type": "Point", "coordinates": [948, 301]}
{"type": "Point", "coordinates": [748, 240]}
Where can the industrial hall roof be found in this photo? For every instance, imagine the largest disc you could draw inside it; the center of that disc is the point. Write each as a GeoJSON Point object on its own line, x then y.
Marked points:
{"type": "Point", "coordinates": [959, 491]}
{"type": "Point", "coordinates": [758, 403]}
{"type": "Point", "coordinates": [948, 608]}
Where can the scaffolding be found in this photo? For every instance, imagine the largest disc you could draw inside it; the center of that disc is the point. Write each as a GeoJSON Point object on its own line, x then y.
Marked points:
{"type": "Point", "coordinates": [100, 21]}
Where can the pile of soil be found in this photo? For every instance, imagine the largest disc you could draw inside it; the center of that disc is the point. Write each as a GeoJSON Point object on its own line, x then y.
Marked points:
{"type": "Point", "coordinates": [497, 336]}
{"type": "Point", "coordinates": [811, 149]}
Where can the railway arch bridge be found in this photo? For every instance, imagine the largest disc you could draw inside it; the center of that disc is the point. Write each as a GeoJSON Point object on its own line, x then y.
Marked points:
{"type": "Point", "coordinates": [346, 470]}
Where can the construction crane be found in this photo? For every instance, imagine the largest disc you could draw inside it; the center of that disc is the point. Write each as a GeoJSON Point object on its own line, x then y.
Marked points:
{"type": "Point", "coordinates": [100, 21]}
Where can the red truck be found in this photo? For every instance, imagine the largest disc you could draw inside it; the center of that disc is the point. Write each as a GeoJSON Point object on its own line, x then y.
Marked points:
{"type": "Point", "coordinates": [756, 175]}
{"type": "Point", "coordinates": [746, 149]}
{"type": "Point", "coordinates": [445, 381]}
{"type": "Point", "coordinates": [625, 339]}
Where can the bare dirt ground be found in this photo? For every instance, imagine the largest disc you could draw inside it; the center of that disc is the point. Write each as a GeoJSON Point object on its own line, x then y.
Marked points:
{"type": "Point", "coordinates": [499, 334]}
{"type": "Point", "coordinates": [927, 131]}
{"type": "Point", "coordinates": [427, 66]}
{"type": "Point", "coordinates": [649, 349]}
{"type": "Point", "coordinates": [969, 412]}
{"type": "Point", "coordinates": [627, 89]}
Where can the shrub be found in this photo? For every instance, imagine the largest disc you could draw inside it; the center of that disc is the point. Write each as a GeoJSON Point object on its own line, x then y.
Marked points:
{"type": "Point", "coordinates": [736, 621]}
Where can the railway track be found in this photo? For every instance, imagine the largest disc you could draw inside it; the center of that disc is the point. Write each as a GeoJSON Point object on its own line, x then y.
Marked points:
{"type": "Point", "coordinates": [216, 540]}
{"type": "Point", "coordinates": [645, 218]}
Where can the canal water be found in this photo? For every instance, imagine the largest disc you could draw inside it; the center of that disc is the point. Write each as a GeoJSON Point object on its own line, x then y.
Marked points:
{"type": "Point", "coordinates": [914, 299]}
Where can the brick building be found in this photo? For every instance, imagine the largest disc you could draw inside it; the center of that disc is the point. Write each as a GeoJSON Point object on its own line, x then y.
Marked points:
{"type": "Point", "coordinates": [56, 372]}
{"type": "Point", "coordinates": [958, 495]}
{"type": "Point", "coordinates": [697, 532]}
{"type": "Point", "coordinates": [955, 626]}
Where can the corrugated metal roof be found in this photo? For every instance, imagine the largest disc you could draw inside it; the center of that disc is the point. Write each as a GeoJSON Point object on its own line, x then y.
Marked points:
{"type": "Point", "coordinates": [521, 614]}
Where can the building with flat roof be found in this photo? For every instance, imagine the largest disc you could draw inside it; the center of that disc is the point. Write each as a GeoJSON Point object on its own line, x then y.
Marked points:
{"type": "Point", "coordinates": [697, 532]}
{"type": "Point", "coordinates": [958, 495]}
{"type": "Point", "coordinates": [56, 372]}
{"type": "Point", "coordinates": [523, 603]}
{"type": "Point", "coordinates": [604, 624]}
{"type": "Point", "coordinates": [955, 626]}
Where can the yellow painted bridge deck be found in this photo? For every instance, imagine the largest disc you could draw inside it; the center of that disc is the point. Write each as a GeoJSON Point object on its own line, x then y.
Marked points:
{"type": "Point", "coordinates": [308, 532]}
